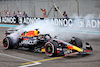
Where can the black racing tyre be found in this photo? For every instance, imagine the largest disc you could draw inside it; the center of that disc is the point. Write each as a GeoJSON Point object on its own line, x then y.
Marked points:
{"type": "Point", "coordinates": [31, 48]}
{"type": "Point", "coordinates": [77, 42]}
{"type": "Point", "coordinates": [51, 48]}
{"type": "Point", "coordinates": [8, 43]}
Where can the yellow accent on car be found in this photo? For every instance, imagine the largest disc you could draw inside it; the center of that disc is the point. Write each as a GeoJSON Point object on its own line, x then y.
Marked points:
{"type": "Point", "coordinates": [77, 48]}
{"type": "Point", "coordinates": [36, 33]}
{"type": "Point", "coordinates": [43, 50]}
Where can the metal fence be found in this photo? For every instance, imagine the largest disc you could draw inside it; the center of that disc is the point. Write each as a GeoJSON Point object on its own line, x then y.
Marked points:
{"type": "Point", "coordinates": [32, 7]}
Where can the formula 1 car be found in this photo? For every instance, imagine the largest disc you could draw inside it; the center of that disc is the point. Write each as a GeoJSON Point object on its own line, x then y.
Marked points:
{"type": "Point", "coordinates": [47, 44]}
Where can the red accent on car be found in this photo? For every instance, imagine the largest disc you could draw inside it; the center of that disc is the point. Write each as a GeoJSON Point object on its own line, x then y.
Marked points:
{"type": "Point", "coordinates": [87, 50]}
{"type": "Point", "coordinates": [23, 34]}
{"type": "Point", "coordinates": [46, 49]}
{"type": "Point", "coordinates": [62, 41]}
{"type": "Point", "coordinates": [70, 47]}
{"type": "Point", "coordinates": [25, 38]}
{"type": "Point", "coordinates": [58, 51]}
{"type": "Point", "coordinates": [58, 42]}
{"type": "Point", "coordinates": [30, 34]}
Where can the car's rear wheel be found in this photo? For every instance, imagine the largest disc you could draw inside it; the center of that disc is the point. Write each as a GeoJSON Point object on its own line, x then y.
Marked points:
{"type": "Point", "coordinates": [8, 43]}
{"type": "Point", "coordinates": [51, 48]}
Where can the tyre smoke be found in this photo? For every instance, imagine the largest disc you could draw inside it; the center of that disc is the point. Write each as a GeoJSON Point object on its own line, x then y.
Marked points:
{"type": "Point", "coordinates": [63, 33]}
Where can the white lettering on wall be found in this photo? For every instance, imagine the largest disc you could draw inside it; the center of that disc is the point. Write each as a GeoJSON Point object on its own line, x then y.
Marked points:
{"type": "Point", "coordinates": [80, 22]}
{"type": "Point", "coordinates": [88, 24]}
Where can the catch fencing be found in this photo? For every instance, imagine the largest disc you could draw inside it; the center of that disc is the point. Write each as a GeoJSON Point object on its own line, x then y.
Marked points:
{"type": "Point", "coordinates": [33, 7]}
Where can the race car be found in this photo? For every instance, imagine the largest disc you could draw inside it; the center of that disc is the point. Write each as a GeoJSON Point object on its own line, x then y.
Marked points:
{"type": "Point", "coordinates": [47, 44]}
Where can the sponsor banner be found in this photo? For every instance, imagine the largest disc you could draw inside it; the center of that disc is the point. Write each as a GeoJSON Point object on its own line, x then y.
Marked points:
{"type": "Point", "coordinates": [91, 23]}
{"type": "Point", "coordinates": [29, 20]}
{"type": "Point", "coordinates": [8, 20]}
{"type": "Point", "coordinates": [62, 22]}
{"type": "Point", "coordinates": [71, 22]}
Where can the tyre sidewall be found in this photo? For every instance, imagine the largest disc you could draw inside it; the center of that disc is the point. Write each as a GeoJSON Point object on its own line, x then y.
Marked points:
{"type": "Point", "coordinates": [79, 42]}
{"type": "Point", "coordinates": [49, 44]}
{"type": "Point", "coordinates": [10, 44]}
{"type": "Point", "coordinates": [6, 47]}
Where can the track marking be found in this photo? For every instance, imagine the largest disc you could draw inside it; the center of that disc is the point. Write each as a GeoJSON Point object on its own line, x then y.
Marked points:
{"type": "Point", "coordinates": [42, 60]}
{"type": "Point", "coordinates": [15, 57]}
{"type": "Point", "coordinates": [31, 62]}
{"type": "Point", "coordinates": [36, 63]}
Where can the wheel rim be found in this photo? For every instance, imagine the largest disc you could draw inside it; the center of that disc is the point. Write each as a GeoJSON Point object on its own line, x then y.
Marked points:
{"type": "Point", "coordinates": [5, 43]}
{"type": "Point", "coordinates": [49, 48]}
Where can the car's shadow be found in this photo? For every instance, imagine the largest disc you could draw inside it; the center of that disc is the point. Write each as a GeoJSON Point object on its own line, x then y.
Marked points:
{"type": "Point", "coordinates": [38, 54]}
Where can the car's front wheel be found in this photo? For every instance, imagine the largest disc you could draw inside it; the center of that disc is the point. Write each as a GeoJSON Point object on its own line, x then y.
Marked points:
{"type": "Point", "coordinates": [51, 48]}
{"type": "Point", "coordinates": [77, 42]}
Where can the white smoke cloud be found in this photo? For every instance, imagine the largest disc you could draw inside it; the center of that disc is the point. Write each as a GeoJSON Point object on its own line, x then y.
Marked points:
{"type": "Point", "coordinates": [45, 27]}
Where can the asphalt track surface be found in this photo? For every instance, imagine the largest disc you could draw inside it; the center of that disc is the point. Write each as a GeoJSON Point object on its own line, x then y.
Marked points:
{"type": "Point", "coordinates": [23, 58]}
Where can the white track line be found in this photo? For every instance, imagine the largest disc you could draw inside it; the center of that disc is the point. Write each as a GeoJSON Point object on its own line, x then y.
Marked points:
{"type": "Point", "coordinates": [14, 57]}
{"type": "Point", "coordinates": [36, 63]}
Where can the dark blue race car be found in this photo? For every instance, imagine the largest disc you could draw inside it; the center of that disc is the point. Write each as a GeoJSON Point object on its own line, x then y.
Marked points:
{"type": "Point", "coordinates": [48, 45]}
